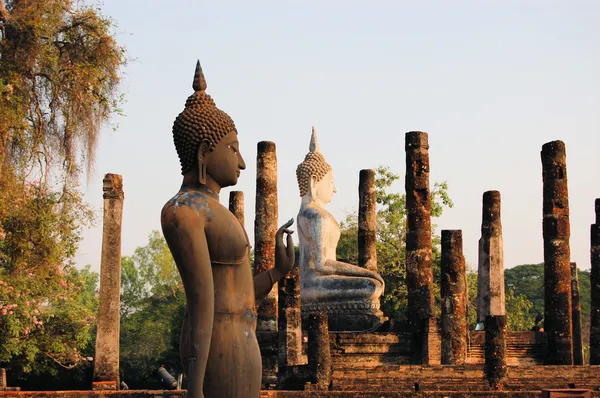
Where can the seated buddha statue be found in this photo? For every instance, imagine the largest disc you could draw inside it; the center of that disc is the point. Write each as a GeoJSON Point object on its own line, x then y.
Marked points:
{"type": "Point", "coordinates": [349, 294]}
{"type": "Point", "coordinates": [218, 345]}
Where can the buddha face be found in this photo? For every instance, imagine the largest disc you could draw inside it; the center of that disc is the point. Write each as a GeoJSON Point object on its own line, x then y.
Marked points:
{"type": "Point", "coordinates": [324, 189]}
{"type": "Point", "coordinates": [224, 162]}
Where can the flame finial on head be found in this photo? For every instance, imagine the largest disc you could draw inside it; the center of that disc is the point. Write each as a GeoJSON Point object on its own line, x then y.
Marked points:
{"type": "Point", "coordinates": [314, 143]}
{"type": "Point", "coordinates": [314, 165]}
{"type": "Point", "coordinates": [200, 120]}
{"type": "Point", "coordinates": [199, 83]}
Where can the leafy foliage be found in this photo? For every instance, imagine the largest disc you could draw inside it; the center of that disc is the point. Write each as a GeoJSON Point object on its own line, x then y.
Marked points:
{"type": "Point", "coordinates": [528, 280]}
{"type": "Point", "coordinates": [59, 72]}
{"type": "Point", "coordinates": [46, 305]}
{"type": "Point", "coordinates": [152, 308]}
{"type": "Point", "coordinates": [59, 68]}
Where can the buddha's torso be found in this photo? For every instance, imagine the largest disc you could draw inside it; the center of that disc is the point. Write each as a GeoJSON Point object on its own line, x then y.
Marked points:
{"type": "Point", "coordinates": [233, 344]}
{"type": "Point", "coordinates": [314, 235]}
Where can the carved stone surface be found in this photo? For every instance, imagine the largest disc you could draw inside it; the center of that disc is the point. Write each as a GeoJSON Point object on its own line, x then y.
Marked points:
{"type": "Point", "coordinates": [557, 255]}
{"type": "Point", "coordinates": [419, 272]}
{"type": "Point", "coordinates": [490, 275]}
{"type": "Point", "coordinates": [347, 293]}
{"type": "Point", "coordinates": [595, 289]}
{"type": "Point", "coordinates": [454, 299]}
{"type": "Point", "coordinates": [265, 227]}
{"type": "Point", "coordinates": [576, 311]}
{"type": "Point", "coordinates": [106, 364]}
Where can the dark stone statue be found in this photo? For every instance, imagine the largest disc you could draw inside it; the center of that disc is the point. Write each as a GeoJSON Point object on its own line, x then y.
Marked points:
{"type": "Point", "coordinates": [211, 249]}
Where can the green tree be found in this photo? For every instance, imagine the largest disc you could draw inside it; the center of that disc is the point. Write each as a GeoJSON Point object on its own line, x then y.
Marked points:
{"type": "Point", "coordinates": [472, 295]}
{"type": "Point", "coordinates": [152, 308]}
{"type": "Point", "coordinates": [59, 71]}
{"type": "Point", "coordinates": [528, 280]}
{"type": "Point", "coordinates": [45, 305]}
{"type": "Point", "coordinates": [391, 237]}
{"type": "Point", "coordinates": [518, 308]}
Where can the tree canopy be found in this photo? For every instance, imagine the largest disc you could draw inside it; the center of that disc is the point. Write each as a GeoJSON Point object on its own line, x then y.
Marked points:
{"type": "Point", "coordinates": [59, 73]}
{"type": "Point", "coordinates": [152, 308]}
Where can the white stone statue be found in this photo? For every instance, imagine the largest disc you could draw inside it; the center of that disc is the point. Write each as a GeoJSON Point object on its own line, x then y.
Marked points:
{"type": "Point", "coordinates": [347, 293]}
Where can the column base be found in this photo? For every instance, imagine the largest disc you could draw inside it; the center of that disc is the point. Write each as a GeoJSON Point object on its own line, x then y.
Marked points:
{"type": "Point", "coordinates": [104, 385]}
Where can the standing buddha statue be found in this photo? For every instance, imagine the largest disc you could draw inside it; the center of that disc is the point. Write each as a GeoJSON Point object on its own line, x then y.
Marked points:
{"type": "Point", "coordinates": [218, 345]}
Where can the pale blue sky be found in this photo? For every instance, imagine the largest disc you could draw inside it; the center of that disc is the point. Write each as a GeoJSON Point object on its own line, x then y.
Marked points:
{"type": "Point", "coordinates": [490, 81]}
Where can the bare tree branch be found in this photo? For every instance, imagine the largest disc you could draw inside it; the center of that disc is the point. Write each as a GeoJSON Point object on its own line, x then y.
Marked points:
{"type": "Point", "coordinates": [56, 360]}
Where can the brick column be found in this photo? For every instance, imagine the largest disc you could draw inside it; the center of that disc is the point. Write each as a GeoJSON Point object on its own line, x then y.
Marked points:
{"type": "Point", "coordinates": [290, 321]}
{"type": "Point", "coordinates": [367, 221]}
{"type": "Point", "coordinates": [236, 205]}
{"type": "Point", "coordinates": [490, 275]}
{"type": "Point", "coordinates": [265, 228]}
{"type": "Point", "coordinates": [106, 363]}
{"type": "Point", "coordinates": [454, 299]}
{"type": "Point", "coordinates": [319, 354]}
{"type": "Point", "coordinates": [595, 289]}
{"type": "Point", "coordinates": [576, 314]}
{"type": "Point", "coordinates": [419, 273]}
{"type": "Point", "coordinates": [495, 350]}
{"type": "Point", "coordinates": [557, 255]}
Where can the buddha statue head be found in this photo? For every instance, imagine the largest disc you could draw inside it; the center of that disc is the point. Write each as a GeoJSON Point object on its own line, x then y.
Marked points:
{"type": "Point", "coordinates": [205, 138]}
{"type": "Point", "coordinates": [314, 175]}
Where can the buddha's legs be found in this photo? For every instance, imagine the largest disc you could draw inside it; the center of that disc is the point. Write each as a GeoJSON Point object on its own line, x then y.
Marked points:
{"type": "Point", "coordinates": [184, 343]}
{"type": "Point", "coordinates": [335, 287]}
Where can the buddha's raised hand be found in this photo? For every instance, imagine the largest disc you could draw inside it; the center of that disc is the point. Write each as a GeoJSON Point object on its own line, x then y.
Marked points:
{"type": "Point", "coordinates": [284, 254]}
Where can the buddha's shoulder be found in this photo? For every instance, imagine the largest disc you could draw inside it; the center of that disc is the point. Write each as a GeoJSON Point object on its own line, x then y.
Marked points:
{"type": "Point", "coordinates": [313, 213]}
{"type": "Point", "coordinates": [186, 204]}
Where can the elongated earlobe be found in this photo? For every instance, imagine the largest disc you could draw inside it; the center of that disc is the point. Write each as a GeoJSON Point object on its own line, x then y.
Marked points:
{"type": "Point", "coordinates": [312, 187]}
{"type": "Point", "coordinates": [202, 174]}
{"type": "Point", "coordinates": [203, 150]}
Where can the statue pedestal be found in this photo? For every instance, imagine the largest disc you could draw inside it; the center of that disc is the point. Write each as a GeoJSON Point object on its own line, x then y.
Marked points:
{"type": "Point", "coordinates": [347, 316]}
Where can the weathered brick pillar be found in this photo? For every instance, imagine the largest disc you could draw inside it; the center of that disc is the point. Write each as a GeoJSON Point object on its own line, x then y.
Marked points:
{"type": "Point", "coordinates": [495, 350]}
{"type": "Point", "coordinates": [319, 354]}
{"type": "Point", "coordinates": [290, 321]}
{"type": "Point", "coordinates": [490, 273]}
{"type": "Point", "coordinates": [265, 228]}
{"type": "Point", "coordinates": [454, 299]}
{"type": "Point", "coordinates": [106, 363]}
{"type": "Point", "coordinates": [595, 289]}
{"type": "Point", "coordinates": [236, 205]}
{"type": "Point", "coordinates": [419, 273]}
{"type": "Point", "coordinates": [576, 314]}
{"type": "Point", "coordinates": [367, 221]}
{"type": "Point", "coordinates": [557, 255]}
{"type": "Point", "coordinates": [3, 383]}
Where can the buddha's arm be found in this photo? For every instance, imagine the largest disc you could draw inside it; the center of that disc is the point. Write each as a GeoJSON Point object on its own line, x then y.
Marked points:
{"type": "Point", "coordinates": [187, 240]}
{"type": "Point", "coordinates": [263, 283]}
